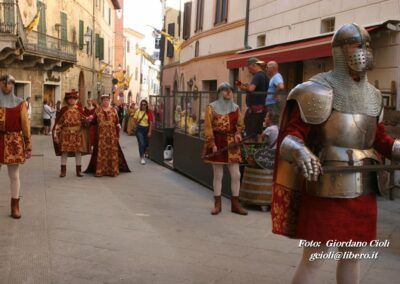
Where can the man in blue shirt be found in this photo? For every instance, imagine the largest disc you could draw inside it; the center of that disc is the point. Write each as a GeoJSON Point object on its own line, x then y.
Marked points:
{"type": "Point", "coordinates": [276, 85]}
{"type": "Point", "coordinates": [255, 98]}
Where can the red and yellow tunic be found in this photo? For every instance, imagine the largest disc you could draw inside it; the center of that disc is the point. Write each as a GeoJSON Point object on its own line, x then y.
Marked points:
{"type": "Point", "coordinates": [221, 130]}
{"type": "Point", "coordinates": [107, 158]}
{"type": "Point", "coordinates": [71, 131]}
{"type": "Point", "coordinates": [297, 214]}
{"type": "Point", "coordinates": [15, 134]}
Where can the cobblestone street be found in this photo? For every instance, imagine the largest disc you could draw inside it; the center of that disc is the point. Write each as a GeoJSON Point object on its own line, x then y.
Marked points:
{"type": "Point", "coordinates": [150, 226]}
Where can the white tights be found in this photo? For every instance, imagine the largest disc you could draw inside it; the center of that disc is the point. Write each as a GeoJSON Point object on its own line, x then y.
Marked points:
{"type": "Point", "coordinates": [13, 174]}
{"type": "Point", "coordinates": [347, 270]}
{"type": "Point", "coordinates": [235, 179]}
{"type": "Point", "coordinates": [78, 159]}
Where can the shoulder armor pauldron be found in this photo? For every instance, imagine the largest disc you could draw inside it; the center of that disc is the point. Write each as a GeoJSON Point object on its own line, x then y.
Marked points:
{"type": "Point", "coordinates": [314, 100]}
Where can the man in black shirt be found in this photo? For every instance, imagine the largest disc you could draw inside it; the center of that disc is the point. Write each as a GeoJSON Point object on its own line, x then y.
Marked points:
{"type": "Point", "coordinates": [255, 98]}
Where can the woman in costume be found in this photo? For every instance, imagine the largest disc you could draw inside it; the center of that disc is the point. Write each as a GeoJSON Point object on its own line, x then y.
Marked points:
{"type": "Point", "coordinates": [70, 135]}
{"type": "Point", "coordinates": [89, 110]}
{"type": "Point", "coordinates": [15, 137]}
{"type": "Point", "coordinates": [107, 158]}
{"type": "Point", "coordinates": [130, 119]}
{"type": "Point", "coordinates": [223, 126]}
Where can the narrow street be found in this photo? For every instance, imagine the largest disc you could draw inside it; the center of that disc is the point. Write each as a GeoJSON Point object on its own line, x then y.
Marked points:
{"type": "Point", "coordinates": [150, 226]}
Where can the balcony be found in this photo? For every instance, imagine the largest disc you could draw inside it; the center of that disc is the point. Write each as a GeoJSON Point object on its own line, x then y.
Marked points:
{"type": "Point", "coordinates": [31, 50]}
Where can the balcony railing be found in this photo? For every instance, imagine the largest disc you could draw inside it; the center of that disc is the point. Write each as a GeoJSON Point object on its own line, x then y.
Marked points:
{"type": "Point", "coordinates": [43, 44]}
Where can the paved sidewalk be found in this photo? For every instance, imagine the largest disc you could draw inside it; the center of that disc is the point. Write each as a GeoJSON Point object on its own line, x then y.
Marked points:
{"type": "Point", "coordinates": [150, 226]}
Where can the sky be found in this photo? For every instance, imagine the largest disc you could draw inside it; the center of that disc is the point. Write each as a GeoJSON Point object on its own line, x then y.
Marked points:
{"type": "Point", "coordinates": [138, 14]}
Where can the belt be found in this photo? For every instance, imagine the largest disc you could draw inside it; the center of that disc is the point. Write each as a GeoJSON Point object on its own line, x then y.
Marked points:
{"type": "Point", "coordinates": [72, 128]}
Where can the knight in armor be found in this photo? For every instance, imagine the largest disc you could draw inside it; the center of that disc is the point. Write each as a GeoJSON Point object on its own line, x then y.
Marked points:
{"type": "Point", "coordinates": [15, 137]}
{"type": "Point", "coordinates": [332, 120]}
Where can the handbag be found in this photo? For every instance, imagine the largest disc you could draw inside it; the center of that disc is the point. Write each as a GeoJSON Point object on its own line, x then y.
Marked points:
{"type": "Point", "coordinates": [168, 152]}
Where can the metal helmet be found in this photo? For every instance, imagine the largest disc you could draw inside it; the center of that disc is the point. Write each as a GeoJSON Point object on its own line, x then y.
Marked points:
{"type": "Point", "coordinates": [358, 58]}
{"type": "Point", "coordinates": [224, 86]}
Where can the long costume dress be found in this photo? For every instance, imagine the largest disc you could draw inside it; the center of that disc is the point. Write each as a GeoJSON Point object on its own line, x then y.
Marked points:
{"type": "Point", "coordinates": [70, 128]}
{"type": "Point", "coordinates": [107, 158]}
{"type": "Point", "coordinates": [130, 120]}
{"type": "Point", "coordinates": [92, 128]}
{"type": "Point", "coordinates": [15, 134]}
{"type": "Point", "coordinates": [298, 214]}
{"type": "Point", "coordinates": [221, 130]}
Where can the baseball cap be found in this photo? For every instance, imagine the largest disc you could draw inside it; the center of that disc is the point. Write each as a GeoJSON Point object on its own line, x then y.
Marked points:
{"type": "Point", "coordinates": [254, 60]}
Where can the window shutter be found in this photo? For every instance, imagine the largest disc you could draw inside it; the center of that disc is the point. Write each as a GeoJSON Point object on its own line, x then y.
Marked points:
{"type": "Point", "coordinates": [81, 36]}
{"type": "Point", "coordinates": [186, 20]}
{"type": "Point", "coordinates": [101, 55]}
{"type": "Point", "coordinates": [97, 46]}
{"type": "Point", "coordinates": [170, 47]}
{"type": "Point", "coordinates": [64, 35]}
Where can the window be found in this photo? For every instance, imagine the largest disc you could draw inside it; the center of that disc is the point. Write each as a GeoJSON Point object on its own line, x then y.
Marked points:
{"type": "Point", "coordinates": [128, 46]}
{"type": "Point", "coordinates": [221, 11]}
{"type": "Point", "coordinates": [109, 16]}
{"type": "Point", "coordinates": [63, 17]}
{"type": "Point", "coordinates": [197, 49]}
{"type": "Point", "coordinates": [170, 47]}
{"type": "Point", "coordinates": [199, 15]}
{"type": "Point", "coordinates": [81, 35]}
{"type": "Point", "coordinates": [99, 47]}
{"type": "Point", "coordinates": [136, 73]}
{"type": "Point", "coordinates": [327, 25]}
{"type": "Point", "coordinates": [186, 20]}
{"type": "Point", "coordinates": [260, 40]}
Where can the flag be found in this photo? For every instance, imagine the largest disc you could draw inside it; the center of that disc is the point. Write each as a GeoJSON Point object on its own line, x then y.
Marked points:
{"type": "Point", "coordinates": [33, 23]}
{"type": "Point", "coordinates": [142, 50]}
{"type": "Point", "coordinates": [176, 42]}
{"type": "Point", "coordinates": [101, 71]}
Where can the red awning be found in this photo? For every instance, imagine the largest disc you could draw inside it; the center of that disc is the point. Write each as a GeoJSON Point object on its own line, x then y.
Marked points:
{"type": "Point", "coordinates": [288, 52]}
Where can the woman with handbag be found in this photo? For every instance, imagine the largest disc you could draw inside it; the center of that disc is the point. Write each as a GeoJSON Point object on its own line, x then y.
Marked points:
{"type": "Point", "coordinates": [223, 126]}
{"type": "Point", "coordinates": [143, 120]}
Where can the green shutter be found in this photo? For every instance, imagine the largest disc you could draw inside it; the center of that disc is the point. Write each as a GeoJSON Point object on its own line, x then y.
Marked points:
{"type": "Point", "coordinates": [9, 16]}
{"type": "Point", "coordinates": [81, 38]}
{"type": "Point", "coordinates": [97, 46]}
{"type": "Point", "coordinates": [64, 35]}
{"type": "Point", "coordinates": [101, 57]}
{"type": "Point", "coordinates": [42, 24]}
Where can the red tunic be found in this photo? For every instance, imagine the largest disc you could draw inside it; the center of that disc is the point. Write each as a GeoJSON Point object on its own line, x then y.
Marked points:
{"type": "Point", "coordinates": [297, 214]}
{"type": "Point", "coordinates": [14, 134]}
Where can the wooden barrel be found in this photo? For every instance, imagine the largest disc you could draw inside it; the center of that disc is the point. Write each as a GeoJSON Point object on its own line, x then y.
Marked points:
{"type": "Point", "coordinates": [256, 186]}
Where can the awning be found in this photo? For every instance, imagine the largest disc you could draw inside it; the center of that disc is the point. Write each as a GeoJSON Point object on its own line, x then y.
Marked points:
{"type": "Point", "coordinates": [289, 52]}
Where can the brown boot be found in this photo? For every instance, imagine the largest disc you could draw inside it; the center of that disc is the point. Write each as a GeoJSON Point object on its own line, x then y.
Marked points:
{"type": "Point", "coordinates": [15, 213]}
{"type": "Point", "coordinates": [79, 171]}
{"type": "Point", "coordinates": [236, 208]}
{"type": "Point", "coordinates": [63, 171]}
{"type": "Point", "coordinates": [217, 205]}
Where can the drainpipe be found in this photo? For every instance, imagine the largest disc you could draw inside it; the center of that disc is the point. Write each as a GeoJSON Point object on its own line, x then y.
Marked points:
{"type": "Point", "coordinates": [94, 85]}
{"type": "Point", "coordinates": [246, 27]}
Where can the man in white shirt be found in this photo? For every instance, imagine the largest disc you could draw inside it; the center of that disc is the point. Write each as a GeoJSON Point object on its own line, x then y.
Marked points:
{"type": "Point", "coordinates": [48, 112]}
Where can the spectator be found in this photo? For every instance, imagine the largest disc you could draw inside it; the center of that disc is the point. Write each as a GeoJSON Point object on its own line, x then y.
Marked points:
{"type": "Point", "coordinates": [270, 134]}
{"type": "Point", "coordinates": [255, 98]}
{"type": "Point", "coordinates": [275, 86]}
{"type": "Point", "coordinates": [29, 107]}
{"type": "Point", "coordinates": [48, 112]}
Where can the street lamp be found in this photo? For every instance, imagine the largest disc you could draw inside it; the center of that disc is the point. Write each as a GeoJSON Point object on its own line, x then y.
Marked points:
{"type": "Point", "coordinates": [87, 38]}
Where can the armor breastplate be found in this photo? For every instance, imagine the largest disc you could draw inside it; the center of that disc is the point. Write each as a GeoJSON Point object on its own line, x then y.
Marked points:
{"type": "Point", "coordinates": [343, 140]}
{"type": "Point", "coordinates": [348, 130]}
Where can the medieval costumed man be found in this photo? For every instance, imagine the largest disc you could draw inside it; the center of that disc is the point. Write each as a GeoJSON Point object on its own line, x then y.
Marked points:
{"type": "Point", "coordinates": [223, 126]}
{"type": "Point", "coordinates": [332, 122]}
{"type": "Point", "coordinates": [107, 158]}
{"type": "Point", "coordinates": [70, 134]}
{"type": "Point", "coordinates": [15, 137]}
